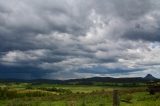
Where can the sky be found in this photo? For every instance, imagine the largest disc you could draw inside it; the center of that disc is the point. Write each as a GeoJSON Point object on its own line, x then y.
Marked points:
{"type": "Point", "coordinates": [67, 39]}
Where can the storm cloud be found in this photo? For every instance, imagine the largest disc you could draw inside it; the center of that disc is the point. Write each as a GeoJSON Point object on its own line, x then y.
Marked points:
{"type": "Point", "coordinates": [62, 39]}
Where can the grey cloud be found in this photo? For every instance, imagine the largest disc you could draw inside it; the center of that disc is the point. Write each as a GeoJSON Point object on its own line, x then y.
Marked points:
{"type": "Point", "coordinates": [73, 35]}
{"type": "Point", "coordinates": [132, 9]}
{"type": "Point", "coordinates": [102, 70]}
{"type": "Point", "coordinates": [133, 35]}
{"type": "Point", "coordinates": [146, 29]}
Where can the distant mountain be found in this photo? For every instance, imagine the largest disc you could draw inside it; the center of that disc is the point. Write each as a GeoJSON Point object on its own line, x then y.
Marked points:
{"type": "Point", "coordinates": [89, 81]}
{"type": "Point", "coordinates": [149, 77]}
{"type": "Point", "coordinates": [108, 79]}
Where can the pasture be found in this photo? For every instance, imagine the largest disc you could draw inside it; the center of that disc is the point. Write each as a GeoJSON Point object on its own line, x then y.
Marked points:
{"type": "Point", "coordinates": [28, 94]}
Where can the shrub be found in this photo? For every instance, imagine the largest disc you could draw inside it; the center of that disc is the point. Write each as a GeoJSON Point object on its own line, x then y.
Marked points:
{"type": "Point", "coordinates": [127, 98]}
{"type": "Point", "coordinates": [59, 90]}
{"type": "Point", "coordinates": [5, 93]}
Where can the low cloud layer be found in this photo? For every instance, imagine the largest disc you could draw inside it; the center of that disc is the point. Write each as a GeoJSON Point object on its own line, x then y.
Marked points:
{"type": "Point", "coordinates": [63, 39]}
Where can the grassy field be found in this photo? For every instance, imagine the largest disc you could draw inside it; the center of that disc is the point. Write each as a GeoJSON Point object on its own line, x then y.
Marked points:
{"type": "Point", "coordinates": [26, 94]}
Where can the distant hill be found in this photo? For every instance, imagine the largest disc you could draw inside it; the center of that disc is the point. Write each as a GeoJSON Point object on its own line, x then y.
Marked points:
{"type": "Point", "coordinates": [89, 81]}
{"type": "Point", "coordinates": [149, 77]}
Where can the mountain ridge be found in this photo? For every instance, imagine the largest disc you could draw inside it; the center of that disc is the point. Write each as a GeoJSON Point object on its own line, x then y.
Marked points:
{"type": "Point", "coordinates": [147, 78]}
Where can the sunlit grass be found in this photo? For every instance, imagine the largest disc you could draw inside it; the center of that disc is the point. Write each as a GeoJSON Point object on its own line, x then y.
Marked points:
{"type": "Point", "coordinates": [24, 94]}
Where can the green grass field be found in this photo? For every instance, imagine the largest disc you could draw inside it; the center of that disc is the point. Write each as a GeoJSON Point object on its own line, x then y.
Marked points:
{"type": "Point", "coordinates": [25, 94]}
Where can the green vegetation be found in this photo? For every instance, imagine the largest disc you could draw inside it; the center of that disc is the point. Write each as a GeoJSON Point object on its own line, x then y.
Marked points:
{"type": "Point", "coordinates": [27, 94]}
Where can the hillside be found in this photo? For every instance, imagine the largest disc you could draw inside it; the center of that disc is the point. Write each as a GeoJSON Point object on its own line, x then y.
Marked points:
{"type": "Point", "coordinates": [89, 81]}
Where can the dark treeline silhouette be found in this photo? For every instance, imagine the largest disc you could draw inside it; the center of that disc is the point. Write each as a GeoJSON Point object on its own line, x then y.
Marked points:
{"type": "Point", "coordinates": [89, 81]}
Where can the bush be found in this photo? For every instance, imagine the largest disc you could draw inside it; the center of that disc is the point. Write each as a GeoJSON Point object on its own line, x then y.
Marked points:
{"type": "Point", "coordinates": [127, 98]}
{"type": "Point", "coordinates": [5, 93]}
{"type": "Point", "coordinates": [59, 90]}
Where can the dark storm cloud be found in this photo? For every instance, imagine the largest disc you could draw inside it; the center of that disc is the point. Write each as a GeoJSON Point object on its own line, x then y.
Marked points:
{"type": "Point", "coordinates": [132, 9]}
{"type": "Point", "coordinates": [22, 72]}
{"type": "Point", "coordinates": [104, 70]}
{"type": "Point", "coordinates": [59, 37]}
{"type": "Point", "coordinates": [146, 36]}
{"type": "Point", "coordinates": [23, 20]}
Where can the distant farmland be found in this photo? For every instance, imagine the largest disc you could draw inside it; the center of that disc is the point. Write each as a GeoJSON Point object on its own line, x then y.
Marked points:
{"type": "Point", "coordinates": [43, 94]}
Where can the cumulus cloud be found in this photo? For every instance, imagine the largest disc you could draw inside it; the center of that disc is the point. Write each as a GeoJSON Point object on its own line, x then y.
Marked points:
{"type": "Point", "coordinates": [74, 39]}
{"type": "Point", "coordinates": [21, 57]}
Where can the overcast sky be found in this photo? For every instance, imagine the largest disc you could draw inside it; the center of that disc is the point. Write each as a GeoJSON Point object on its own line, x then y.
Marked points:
{"type": "Point", "coordinates": [63, 39]}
